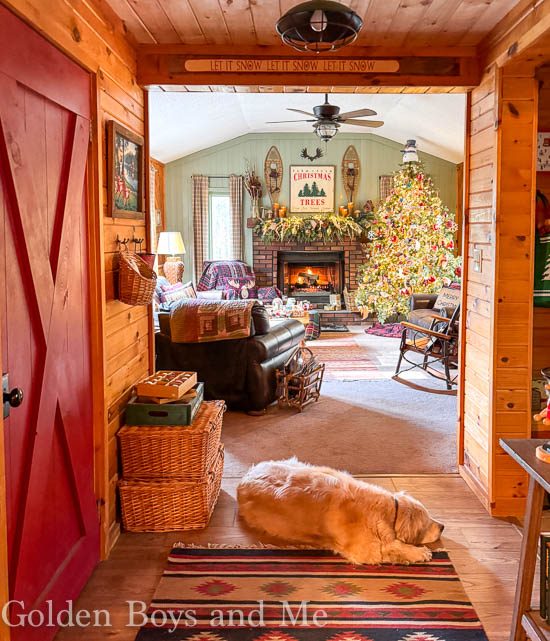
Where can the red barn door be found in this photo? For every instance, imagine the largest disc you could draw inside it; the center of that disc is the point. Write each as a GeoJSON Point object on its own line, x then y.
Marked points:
{"type": "Point", "coordinates": [53, 529]}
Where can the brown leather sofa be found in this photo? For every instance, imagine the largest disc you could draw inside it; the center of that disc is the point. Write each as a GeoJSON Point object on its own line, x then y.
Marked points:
{"type": "Point", "coordinates": [241, 372]}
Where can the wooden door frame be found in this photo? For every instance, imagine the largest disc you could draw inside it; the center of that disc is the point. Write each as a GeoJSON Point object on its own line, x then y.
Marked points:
{"type": "Point", "coordinates": [4, 577]}
{"type": "Point", "coordinates": [96, 279]}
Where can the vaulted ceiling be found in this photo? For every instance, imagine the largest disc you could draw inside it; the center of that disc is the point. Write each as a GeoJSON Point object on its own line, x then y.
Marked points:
{"type": "Point", "coordinates": [182, 123]}
{"type": "Point", "coordinates": [238, 23]}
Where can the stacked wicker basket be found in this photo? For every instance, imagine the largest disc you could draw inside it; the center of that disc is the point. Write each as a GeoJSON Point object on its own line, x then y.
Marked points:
{"type": "Point", "coordinates": [171, 473]}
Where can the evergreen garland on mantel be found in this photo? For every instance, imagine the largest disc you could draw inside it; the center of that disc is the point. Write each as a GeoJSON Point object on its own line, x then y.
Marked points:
{"type": "Point", "coordinates": [309, 229]}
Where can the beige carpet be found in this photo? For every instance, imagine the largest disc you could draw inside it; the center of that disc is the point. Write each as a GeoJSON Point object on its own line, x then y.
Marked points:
{"type": "Point", "coordinates": [363, 426]}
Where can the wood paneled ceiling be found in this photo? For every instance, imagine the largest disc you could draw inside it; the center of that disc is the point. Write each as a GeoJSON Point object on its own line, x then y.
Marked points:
{"type": "Point", "coordinates": [240, 23]}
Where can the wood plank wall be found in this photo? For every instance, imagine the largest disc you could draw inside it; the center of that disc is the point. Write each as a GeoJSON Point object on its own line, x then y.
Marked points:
{"type": "Point", "coordinates": [513, 297]}
{"type": "Point", "coordinates": [94, 37]}
{"type": "Point", "coordinates": [499, 298]}
{"type": "Point", "coordinates": [479, 235]}
{"type": "Point", "coordinates": [541, 315]}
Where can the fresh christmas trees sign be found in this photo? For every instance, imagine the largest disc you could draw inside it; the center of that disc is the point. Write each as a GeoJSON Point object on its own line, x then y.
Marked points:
{"type": "Point", "coordinates": [412, 245]}
{"type": "Point", "coordinates": [311, 189]}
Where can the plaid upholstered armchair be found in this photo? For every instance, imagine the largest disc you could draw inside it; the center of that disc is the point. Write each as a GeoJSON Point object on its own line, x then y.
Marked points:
{"type": "Point", "coordinates": [236, 279]}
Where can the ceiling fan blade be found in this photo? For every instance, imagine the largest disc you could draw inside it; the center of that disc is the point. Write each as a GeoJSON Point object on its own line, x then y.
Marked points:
{"type": "Point", "coordinates": [299, 111]}
{"type": "Point", "coordinates": [363, 123]}
{"type": "Point", "coordinates": [276, 122]}
{"type": "Point", "coordinates": [357, 113]}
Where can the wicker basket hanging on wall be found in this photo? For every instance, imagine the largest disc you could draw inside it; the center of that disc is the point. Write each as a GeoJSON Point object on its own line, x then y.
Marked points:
{"type": "Point", "coordinates": [136, 280]}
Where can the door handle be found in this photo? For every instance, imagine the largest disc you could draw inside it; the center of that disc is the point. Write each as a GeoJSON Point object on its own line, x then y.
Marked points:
{"type": "Point", "coordinates": [14, 398]}
{"type": "Point", "coordinates": [10, 398]}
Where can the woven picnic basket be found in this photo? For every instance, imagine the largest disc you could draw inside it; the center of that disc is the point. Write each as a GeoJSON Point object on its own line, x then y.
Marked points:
{"type": "Point", "coordinates": [165, 452]}
{"type": "Point", "coordinates": [136, 280]}
{"type": "Point", "coordinates": [165, 506]}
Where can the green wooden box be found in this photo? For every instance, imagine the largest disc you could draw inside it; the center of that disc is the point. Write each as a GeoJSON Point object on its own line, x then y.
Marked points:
{"type": "Point", "coordinates": [176, 413]}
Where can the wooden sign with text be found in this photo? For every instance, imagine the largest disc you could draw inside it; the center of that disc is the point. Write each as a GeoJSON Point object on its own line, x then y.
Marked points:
{"type": "Point", "coordinates": [284, 65]}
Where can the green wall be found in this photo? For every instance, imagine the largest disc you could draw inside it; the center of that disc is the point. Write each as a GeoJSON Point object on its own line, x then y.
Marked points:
{"type": "Point", "coordinates": [378, 156]}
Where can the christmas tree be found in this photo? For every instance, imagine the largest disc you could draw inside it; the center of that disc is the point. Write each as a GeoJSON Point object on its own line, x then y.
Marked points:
{"type": "Point", "coordinates": [412, 245]}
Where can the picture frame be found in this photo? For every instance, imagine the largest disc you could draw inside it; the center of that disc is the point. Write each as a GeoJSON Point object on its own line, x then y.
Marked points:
{"type": "Point", "coordinates": [312, 189]}
{"type": "Point", "coordinates": [543, 151]}
{"type": "Point", "coordinates": [125, 172]}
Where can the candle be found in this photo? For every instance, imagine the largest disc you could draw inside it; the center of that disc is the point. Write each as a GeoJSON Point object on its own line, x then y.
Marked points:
{"type": "Point", "coordinates": [282, 212]}
{"type": "Point", "coordinates": [350, 209]}
{"type": "Point", "coordinates": [342, 210]}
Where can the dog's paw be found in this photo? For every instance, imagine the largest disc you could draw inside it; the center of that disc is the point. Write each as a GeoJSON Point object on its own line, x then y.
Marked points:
{"type": "Point", "coordinates": [425, 554]}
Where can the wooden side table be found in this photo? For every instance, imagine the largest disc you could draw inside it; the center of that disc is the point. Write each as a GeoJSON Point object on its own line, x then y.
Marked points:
{"type": "Point", "coordinates": [526, 623]}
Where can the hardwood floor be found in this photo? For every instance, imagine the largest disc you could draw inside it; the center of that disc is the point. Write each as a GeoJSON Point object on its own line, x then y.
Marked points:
{"type": "Point", "coordinates": [484, 551]}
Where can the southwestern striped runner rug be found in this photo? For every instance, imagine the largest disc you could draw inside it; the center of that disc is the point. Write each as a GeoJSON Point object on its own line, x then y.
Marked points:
{"type": "Point", "coordinates": [275, 594]}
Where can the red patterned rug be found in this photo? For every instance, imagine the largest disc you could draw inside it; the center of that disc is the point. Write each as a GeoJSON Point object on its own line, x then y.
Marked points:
{"type": "Point", "coordinates": [268, 594]}
{"type": "Point", "coordinates": [391, 330]}
{"type": "Point", "coordinates": [344, 359]}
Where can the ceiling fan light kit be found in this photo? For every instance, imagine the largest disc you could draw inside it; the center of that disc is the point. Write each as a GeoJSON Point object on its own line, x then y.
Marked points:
{"type": "Point", "coordinates": [327, 119]}
{"type": "Point", "coordinates": [319, 26]}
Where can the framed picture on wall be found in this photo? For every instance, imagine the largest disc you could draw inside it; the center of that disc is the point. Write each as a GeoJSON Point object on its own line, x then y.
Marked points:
{"type": "Point", "coordinates": [543, 151]}
{"type": "Point", "coordinates": [312, 189]}
{"type": "Point", "coordinates": [125, 172]}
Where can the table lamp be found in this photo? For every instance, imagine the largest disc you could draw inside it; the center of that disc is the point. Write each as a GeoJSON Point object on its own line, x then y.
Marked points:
{"type": "Point", "coordinates": [171, 243]}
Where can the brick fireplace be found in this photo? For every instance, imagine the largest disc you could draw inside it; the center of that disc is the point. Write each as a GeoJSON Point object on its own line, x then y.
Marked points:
{"type": "Point", "coordinates": [271, 262]}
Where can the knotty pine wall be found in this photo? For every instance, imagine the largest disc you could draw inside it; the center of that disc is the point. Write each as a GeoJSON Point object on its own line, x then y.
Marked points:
{"type": "Point", "coordinates": [479, 233]}
{"type": "Point", "coordinates": [498, 318]}
{"type": "Point", "coordinates": [94, 37]}
{"type": "Point", "coordinates": [541, 315]}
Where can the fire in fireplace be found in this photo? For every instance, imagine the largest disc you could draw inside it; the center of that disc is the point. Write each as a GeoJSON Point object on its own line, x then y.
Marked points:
{"type": "Point", "coordinates": [311, 278]}
{"type": "Point", "coordinates": [310, 275]}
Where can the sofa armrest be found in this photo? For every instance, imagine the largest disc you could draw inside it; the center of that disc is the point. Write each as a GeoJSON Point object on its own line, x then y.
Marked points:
{"type": "Point", "coordinates": [422, 301]}
{"type": "Point", "coordinates": [279, 339]}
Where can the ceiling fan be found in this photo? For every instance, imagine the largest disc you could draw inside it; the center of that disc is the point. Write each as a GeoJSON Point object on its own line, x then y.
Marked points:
{"type": "Point", "coordinates": [327, 119]}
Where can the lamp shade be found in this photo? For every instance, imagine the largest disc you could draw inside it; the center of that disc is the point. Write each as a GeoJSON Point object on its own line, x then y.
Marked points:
{"type": "Point", "coordinates": [170, 242]}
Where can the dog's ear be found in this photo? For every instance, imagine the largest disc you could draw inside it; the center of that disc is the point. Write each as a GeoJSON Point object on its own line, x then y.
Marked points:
{"type": "Point", "coordinates": [408, 527]}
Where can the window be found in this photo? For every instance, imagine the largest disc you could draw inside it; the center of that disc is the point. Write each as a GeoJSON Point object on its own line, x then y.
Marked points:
{"type": "Point", "coordinates": [220, 226]}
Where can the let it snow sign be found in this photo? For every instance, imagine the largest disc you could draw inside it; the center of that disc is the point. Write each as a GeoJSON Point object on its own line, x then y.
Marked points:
{"type": "Point", "coordinates": [311, 189]}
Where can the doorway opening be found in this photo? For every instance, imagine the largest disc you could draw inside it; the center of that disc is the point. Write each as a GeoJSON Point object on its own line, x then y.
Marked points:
{"type": "Point", "coordinates": [234, 132]}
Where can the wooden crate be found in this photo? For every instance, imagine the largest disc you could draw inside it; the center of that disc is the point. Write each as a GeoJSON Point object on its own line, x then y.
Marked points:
{"type": "Point", "coordinates": [166, 506]}
{"type": "Point", "coordinates": [180, 412]}
{"type": "Point", "coordinates": [167, 384]}
{"type": "Point", "coordinates": [167, 452]}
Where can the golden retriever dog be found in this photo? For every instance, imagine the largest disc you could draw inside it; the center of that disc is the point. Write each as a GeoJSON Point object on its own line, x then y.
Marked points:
{"type": "Point", "coordinates": [327, 508]}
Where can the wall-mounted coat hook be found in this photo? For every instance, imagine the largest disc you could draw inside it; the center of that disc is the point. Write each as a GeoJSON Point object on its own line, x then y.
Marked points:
{"type": "Point", "coordinates": [122, 241]}
{"type": "Point", "coordinates": [137, 241]}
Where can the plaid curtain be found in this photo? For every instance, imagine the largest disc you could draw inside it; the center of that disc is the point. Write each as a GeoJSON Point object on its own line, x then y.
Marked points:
{"type": "Point", "coordinates": [236, 198]}
{"type": "Point", "coordinates": [200, 222]}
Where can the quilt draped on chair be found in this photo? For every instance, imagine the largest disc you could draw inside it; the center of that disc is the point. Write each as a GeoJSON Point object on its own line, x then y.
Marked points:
{"type": "Point", "coordinates": [200, 221]}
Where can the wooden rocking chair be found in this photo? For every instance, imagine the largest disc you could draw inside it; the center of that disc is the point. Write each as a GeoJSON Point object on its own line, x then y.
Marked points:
{"type": "Point", "coordinates": [438, 345]}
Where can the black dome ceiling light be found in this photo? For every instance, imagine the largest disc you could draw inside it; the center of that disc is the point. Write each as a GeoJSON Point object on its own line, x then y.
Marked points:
{"type": "Point", "coordinates": [319, 26]}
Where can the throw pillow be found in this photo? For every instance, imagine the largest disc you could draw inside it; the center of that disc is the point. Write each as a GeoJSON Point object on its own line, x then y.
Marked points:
{"type": "Point", "coordinates": [447, 297]}
{"type": "Point", "coordinates": [172, 293]}
{"type": "Point", "coordinates": [190, 290]}
{"type": "Point", "coordinates": [269, 293]}
{"type": "Point", "coordinates": [235, 290]}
